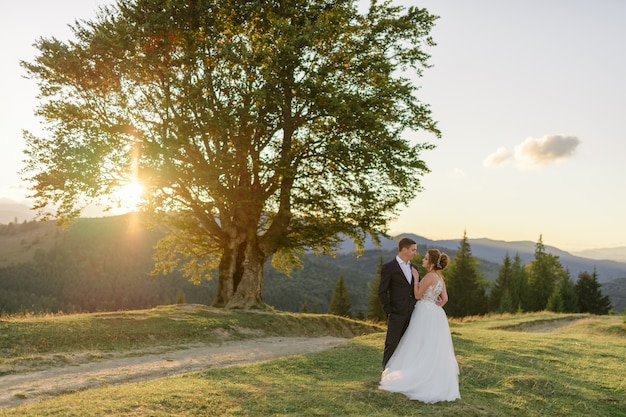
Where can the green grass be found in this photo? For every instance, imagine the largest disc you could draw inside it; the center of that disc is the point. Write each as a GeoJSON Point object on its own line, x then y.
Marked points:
{"type": "Point", "coordinates": [506, 368]}
{"type": "Point", "coordinates": [43, 341]}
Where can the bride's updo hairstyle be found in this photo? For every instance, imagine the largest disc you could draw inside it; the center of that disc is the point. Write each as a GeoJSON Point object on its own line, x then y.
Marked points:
{"type": "Point", "coordinates": [438, 259]}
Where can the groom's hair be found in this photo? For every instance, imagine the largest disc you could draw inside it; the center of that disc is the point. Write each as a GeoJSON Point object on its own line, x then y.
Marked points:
{"type": "Point", "coordinates": [405, 242]}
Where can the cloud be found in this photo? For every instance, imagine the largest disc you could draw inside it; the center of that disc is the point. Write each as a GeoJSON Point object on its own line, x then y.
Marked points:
{"type": "Point", "coordinates": [499, 157]}
{"type": "Point", "coordinates": [535, 152]}
{"type": "Point", "coordinates": [545, 150]}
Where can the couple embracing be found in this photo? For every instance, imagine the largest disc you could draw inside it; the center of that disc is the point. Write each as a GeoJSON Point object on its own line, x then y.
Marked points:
{"type": "Point", "coordinates": [418, 360]}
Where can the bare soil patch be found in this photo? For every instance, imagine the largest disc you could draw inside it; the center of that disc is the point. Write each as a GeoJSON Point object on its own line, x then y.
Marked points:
{"type": "Point", "coordinates": [540, 326]}
{"type": "Point", "coordinates": [18, 389]}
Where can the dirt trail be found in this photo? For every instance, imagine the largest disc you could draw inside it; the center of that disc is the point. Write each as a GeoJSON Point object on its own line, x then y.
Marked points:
{"type": "Point", "coordinates": [21, 388]}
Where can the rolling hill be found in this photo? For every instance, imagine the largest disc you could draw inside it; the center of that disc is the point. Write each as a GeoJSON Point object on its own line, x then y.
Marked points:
{"type": "Point", "coordinates": [97, 240]}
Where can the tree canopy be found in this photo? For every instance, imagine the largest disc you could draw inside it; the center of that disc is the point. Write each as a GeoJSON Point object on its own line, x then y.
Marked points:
{"type": "Point", "coordinates": [257, 129]}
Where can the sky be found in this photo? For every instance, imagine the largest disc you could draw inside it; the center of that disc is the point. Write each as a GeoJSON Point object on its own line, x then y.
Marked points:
{"type": "Point", "coordinates": [529, 95]}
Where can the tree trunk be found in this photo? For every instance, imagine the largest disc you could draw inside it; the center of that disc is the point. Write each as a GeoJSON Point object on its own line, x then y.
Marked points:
{"type": "Point", "coordinates": [240, 282]}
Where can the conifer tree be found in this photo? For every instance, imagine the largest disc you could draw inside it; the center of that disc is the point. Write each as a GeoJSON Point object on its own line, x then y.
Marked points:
{"type": "Point", "coordinates": [375, 311]}
{"type": "Point", "coordinates": [519, 287]}
{"type": "Point", "coordinates": [506, 303]}
{"type": "Point", "coordinates": [590, 298]}
{"type": "Point", "coordinates": [544, 272]}
{"type": "Point", "coordinates": [465, 286]}
{"type": "Point", "coordinates": [340, 300]}
{"type": "Point", "coordinates": [502, 288]}
{"type": "Point", "coordinates": [555, 301]}
{"type": "Point", "coordinates": [567, 289]}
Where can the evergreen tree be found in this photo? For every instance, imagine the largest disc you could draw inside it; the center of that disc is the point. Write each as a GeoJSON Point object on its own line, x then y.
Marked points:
{"type": "Point", "coordinates": [340, 300]}
{"type": "Point", "coordinates": [305, 307]}
{"type": "Point", "coordinates": [544, 272]}
{"type": "Point", "coordinates": [519, 285]}
{"type": "Point", "coordinates": [502, 286]}
{"type": "Point", "coordinates": [465, 286]}
{"type": "Point", "coordinates": [567, 289]}
{"type": "Point", "coordinates": [375, 309]}
{"type": "Point", "coordinates": [506, 303]}
{"type": "Point", "coordinates": [590, 298]}
{"type": "Point", "coordinates": [555, 301]}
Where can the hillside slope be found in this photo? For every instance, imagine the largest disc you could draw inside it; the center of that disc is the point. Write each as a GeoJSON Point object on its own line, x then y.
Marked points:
{"type": "Point", "coordinates": [96, 261]}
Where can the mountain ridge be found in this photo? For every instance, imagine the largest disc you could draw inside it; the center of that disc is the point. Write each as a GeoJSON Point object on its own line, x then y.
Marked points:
{"type": "Point", "coordinates": [610, 263]}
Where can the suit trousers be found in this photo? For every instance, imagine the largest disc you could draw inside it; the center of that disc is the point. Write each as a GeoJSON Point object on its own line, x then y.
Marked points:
{"type": "Point", "coordinates": [397, 324]}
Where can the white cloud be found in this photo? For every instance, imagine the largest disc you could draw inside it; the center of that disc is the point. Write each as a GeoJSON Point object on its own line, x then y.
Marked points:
{"type": "Point", "coordinates": [535, 152]}
{"type": "Point", "coordinates": [546, 150]}
{"type": "Point", "coordinates": [499, 157]}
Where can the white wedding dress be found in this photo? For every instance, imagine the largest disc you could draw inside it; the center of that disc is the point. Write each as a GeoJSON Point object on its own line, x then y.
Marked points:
{"type": "Point", "coordinates": [423, 366]}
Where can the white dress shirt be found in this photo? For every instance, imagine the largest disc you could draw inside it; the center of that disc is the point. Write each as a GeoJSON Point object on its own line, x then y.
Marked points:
{"type": "Point", "coordinates": [406, 268]}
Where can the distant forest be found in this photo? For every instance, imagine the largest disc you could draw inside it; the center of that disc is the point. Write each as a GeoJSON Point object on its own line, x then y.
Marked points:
{"type": "Point", "coordinates": [104, 264]}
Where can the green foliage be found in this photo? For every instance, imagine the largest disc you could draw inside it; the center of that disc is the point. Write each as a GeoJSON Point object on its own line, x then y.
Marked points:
{"type": "Point", "coordinates": [257, 129]}
{"type": "Point", "coordinates": [544, 274]}
{"type": "Point", "coordinates": [465, 286]}
{"type": "Point", "coordinates": [509, 291]}
{"type": "Point", "coordinates": [93, 265]}
{"type": "Point", "coordinates": [567, 289]}
{"type": "Point", "coordinates": [375, 311]}
{"type": "Point", "coordinates": [590, 297]}
{"type": "Point", "coordinates": [555, 302]}
{"type": "Point", "coordinates": [340, 301]}
{"type": "Point", "coordinates": [499, 297]}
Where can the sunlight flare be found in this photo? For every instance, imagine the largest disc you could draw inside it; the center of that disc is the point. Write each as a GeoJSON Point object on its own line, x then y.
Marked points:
{"type": "Point", "coordinates": [127, 197]}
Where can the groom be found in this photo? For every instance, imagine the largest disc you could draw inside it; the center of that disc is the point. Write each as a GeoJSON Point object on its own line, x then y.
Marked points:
{"type": "Point", "coordinates": [396, 294]}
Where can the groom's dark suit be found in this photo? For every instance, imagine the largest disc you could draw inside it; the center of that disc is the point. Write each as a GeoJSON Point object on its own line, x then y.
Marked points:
{"type": "Point", "coordinates": [398, 300]}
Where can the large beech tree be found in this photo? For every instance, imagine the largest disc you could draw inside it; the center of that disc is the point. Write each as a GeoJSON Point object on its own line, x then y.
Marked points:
{"type": "Point", "coordinates": [257, 128]}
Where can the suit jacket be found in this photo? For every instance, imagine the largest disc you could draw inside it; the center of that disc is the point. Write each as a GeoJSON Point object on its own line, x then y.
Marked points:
{"type": "Point", "coordinates": [395, 292]}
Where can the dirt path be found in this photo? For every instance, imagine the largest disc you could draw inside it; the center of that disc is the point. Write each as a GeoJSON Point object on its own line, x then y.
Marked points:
{"type": "Point", "coordinates": [21, 388]}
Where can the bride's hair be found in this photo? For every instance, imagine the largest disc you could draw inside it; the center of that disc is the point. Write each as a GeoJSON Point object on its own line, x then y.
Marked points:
{"type": "Point", "coordinates": [438, 259]}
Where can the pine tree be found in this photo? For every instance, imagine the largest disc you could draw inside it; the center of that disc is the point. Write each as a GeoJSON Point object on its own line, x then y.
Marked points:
{"type": "Point", "coordinates": [567, 289]}
{"type": "Point", "coordinates": [501, 287]}
{"type": "Point", "coordinates": [506, 303]}
{"type": "Point", "coordinates": [590, 298]}
{"type": "Point", "coordinates": [305, 307]}
{"type": "Point", "coordinates": [340, 300]}
{"type": "Point", "coordinates": [555, 301]}
{"type": "Point", "coordinates": [519, 285]}
{"type": "Point", "coordinates": [465, 286]}
{"type": "Point", "coordinates": [375, 309]}
{"type": "Point", "coordinates": [544, 273]}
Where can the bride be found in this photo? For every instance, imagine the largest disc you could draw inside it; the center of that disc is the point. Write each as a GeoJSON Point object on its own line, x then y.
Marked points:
{"type": "Point", "coordinates": [423, 366]}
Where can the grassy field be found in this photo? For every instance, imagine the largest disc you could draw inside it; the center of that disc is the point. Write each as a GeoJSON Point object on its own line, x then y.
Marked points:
{"type": "Point", "coordinates": [540, 364]}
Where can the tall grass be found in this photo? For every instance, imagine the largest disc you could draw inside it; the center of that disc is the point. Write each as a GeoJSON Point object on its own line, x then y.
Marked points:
{"type": "Point", "coordinates": [507, 369]}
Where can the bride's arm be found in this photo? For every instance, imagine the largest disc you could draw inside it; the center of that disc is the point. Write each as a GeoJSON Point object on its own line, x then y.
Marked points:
{"type": "Point", "coordinates": [443, 295]}
{"type": "Point", "coordinates": [416, 281]}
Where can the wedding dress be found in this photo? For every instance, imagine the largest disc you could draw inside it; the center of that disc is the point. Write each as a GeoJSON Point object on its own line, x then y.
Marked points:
{"type": "Point", "coordinates": [423, 366]}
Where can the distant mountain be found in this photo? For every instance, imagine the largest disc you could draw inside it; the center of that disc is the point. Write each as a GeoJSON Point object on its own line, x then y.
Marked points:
{"type": "Point", "coordinates": [614, 254]}
{"type": "Point", "coordinates": [10, 211]}
{"type": "Point", "coordinates": [495, 251]}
